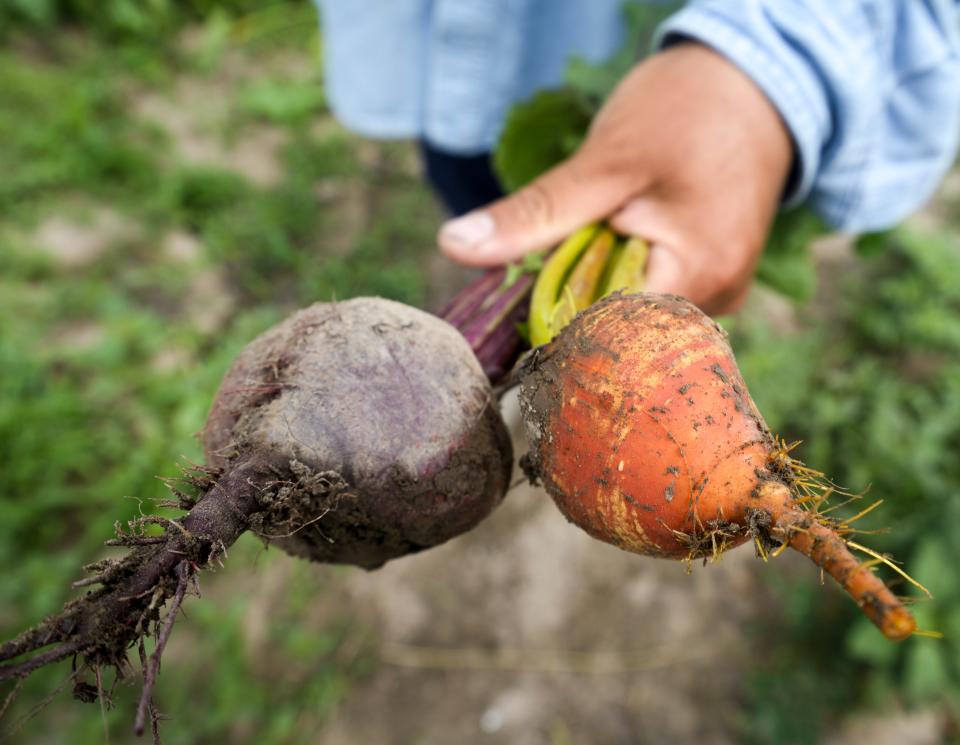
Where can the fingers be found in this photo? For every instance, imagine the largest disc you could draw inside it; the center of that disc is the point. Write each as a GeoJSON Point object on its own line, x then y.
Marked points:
{"type": "Point", "coordinates": [671, 271]}
{"type": "Point", "coordinates": [714, 273]}
{"type": "Point", "coordinates": [574, 193]}
{"type": "Point", "coordinates": [712, 269]}
{"type": "Point", "coordinates": [686, 153]}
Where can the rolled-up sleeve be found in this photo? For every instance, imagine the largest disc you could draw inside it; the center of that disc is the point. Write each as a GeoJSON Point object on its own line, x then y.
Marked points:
{"type": "Point", "coordinates": [869, 89]}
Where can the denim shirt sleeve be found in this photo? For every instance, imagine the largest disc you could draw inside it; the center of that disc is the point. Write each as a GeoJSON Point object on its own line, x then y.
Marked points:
{"type": "Point", "coordinates": [869, 89]}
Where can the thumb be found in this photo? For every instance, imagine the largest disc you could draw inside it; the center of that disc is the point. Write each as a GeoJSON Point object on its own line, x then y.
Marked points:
{"type": "Point", "coordinates": [541, 214]}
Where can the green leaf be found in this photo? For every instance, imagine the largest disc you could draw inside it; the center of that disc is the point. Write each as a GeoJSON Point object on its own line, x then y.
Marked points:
{"type": "Point", "coordinates": [539, 133]}
{"type": "Point", "coordinates": [786, 264]}
{"type": "Point", "coordinates": [531, 263]}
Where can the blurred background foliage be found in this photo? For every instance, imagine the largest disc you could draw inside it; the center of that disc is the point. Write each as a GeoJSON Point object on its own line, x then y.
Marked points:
{"type": "Point", "coordinates": [136, 259]}
{"type": "Point", "coordinates": [144, 20]}
{"type": "Point", "coordinates": [132, 269]}
{"type": "Point", "coordinates": [870, 381]}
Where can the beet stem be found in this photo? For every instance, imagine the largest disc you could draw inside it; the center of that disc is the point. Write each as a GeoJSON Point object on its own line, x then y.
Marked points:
{"type": "Point", "coordinates": [487, 313]}
{"type": "Point", "coordinates": [465, 304]}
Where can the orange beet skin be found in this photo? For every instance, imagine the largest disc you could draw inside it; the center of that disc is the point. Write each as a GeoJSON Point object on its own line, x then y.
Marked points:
{"type": "Point", "coordinates": [643, 432]}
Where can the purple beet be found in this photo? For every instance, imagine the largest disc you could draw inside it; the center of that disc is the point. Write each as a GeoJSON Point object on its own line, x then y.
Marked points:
{"type": "Point", "coordinates": [373, 414]}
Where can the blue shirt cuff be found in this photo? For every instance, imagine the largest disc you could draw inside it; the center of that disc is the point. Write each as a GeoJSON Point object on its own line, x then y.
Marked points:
{"type": "Point", "coordinates": [785, 78]}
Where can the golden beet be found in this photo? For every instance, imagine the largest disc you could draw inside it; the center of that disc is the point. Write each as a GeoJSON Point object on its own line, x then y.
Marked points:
{"type": "Point", "coordinates": [644, 434]}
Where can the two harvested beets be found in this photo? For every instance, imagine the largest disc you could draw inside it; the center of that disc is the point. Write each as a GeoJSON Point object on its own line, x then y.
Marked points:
{"type": "Point", "coordinates": [360, 431]}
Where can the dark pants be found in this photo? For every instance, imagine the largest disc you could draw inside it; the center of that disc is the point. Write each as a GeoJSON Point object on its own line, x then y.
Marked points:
{"type": "Point", "coordinates": [463, 183]}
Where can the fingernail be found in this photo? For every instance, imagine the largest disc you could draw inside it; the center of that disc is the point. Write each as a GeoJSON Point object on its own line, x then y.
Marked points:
{"type": "Point", "coordinates": [467, 233]}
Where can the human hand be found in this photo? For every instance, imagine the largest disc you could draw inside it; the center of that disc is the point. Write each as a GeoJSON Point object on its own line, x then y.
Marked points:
{"type": "Point", "coordinates": [687, 153]}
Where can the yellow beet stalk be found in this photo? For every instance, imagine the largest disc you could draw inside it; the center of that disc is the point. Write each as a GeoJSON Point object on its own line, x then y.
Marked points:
{"type": "Point", "coordinates": [626, 269]}
{"type": "Point", "coordinates": [551, 280]}
{"type": "Point", "coordinates": [584, 282]}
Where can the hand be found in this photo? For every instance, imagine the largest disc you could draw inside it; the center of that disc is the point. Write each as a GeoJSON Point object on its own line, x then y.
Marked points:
{"type": "Point", "coordinates": [687, 153]}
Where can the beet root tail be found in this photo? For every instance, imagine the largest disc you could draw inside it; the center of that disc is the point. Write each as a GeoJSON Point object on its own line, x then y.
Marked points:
{"type": "Point", "coordinates": [100, 627]}
{"type": "Point", "coordinates": [818, 541]}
